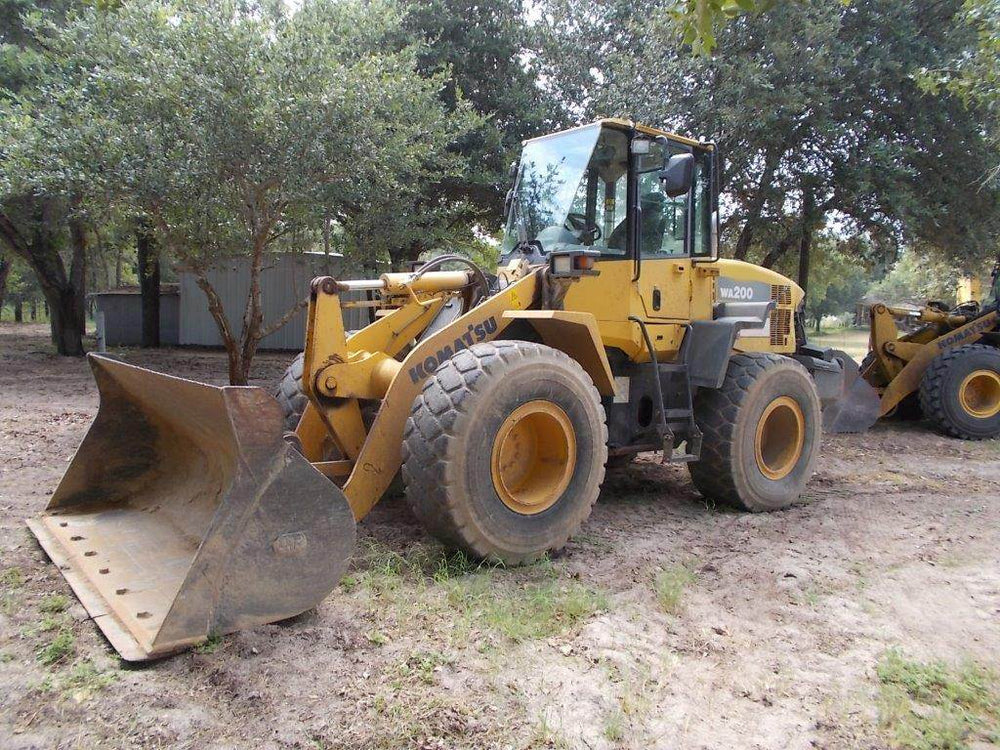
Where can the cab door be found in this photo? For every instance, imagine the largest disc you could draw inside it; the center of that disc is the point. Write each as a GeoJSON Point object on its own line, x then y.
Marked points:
{"type": "Point", "coordinates": [662, 238]}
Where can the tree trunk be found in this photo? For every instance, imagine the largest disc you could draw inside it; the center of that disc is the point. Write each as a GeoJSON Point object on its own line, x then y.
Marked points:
{"type": "Point", "coordinates": [64, 300]}
{"type": "Point", "coordinates": [33, 310]}
{"type": "Point", "coordinates": [805, 241]}
{"type": "Point", "coordinates": [18, 311]}
{"type": "Point", "coordinates": [218, 314]}
{"type": "Point", "coordinates": [78, 271]}
{"type": "Point", "coordinates": [777, 253]}
{"type": "Point", "coordinates": [5, 265]}
{"type": "Point", "coordinates": [771, 161]}
{"type": "Point", "coordinates": [149, 285]}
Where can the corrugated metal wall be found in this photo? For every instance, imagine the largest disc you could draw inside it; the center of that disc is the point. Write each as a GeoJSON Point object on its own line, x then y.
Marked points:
{"type": "Point", "coordinates": [284, 282]}
{"type": "Point", "coordinates": [123, 318]}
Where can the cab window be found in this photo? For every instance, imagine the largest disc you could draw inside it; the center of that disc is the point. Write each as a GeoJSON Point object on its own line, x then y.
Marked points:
{"type": "Point", "coordinates": [661, 220]}
{"type": "Point", "coordinates": [600, 206]}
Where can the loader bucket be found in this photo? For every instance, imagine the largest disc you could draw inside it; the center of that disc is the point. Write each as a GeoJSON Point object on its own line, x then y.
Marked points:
{"type": "Point", "coordinates": [857, 409]}
{"type": "Point", "coordinates": [185, 514]}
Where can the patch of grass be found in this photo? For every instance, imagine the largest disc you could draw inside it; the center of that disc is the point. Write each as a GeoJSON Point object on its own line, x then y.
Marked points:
{"type": "Point", "coordinates": [81, 682]}
{"type": "Point", "coordinates": [423, 664]}
{"type": "Point", "coordinates": [58, 649]}
{"type": "Point", "coordinates": [377, 638]}
{"type": "Point", "coordinates": [534, 610]}
{"type": "Point", "coordinates": [932, 706]}
{"type": "Point", "coordinates": [385, 570]}
{"type": "Point", "coordinates": [545, 735]}
{"type": "Point", "coordinates": [12, 578]}
{"type": "Point", "coordinates": [209, 646]}
{"type": "Point", "coordinates": [46, 625]}
{"type": "Point", "coordinates": [11, 581]}
{"type": "Point", "coordinates": [614, 725]}
{"type": "Point", "coordinates": [669, 586]}
{"type": "Point", "coordinates": [455, 565]}
{"type": "Point", "coordinates": [54, 603]}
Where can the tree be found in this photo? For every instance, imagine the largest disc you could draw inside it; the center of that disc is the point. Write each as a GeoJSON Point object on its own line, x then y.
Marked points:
{"type": "Point", "coordinates": [816, 110]}
{"type": "Point", "coordinates": [485, 50]}
{"type": "Point", "coordinates": [917, 277]}
{"type": "Point", "coordinates": [37, 225]}
{"type": "Point", "coordinates": [975, 76]}
{"type": "Point", "coordinates": [229, 126]}
{"type": "Point", "coordinates": [836, 280]}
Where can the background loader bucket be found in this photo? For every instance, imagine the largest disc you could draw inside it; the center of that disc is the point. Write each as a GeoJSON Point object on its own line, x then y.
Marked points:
{"type": "Point", "coordinates": [858, 407]}
{"type": "Point", "coordinates": [184, 514]}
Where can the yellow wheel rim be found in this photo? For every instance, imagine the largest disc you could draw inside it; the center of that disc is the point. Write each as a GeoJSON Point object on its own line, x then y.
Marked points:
{"type": "Point", "coordinates": [781, 433]}
{"type": "Point", "coordinates": [534, 454]}
{"type": "Point", "coordinates": [979, 394]}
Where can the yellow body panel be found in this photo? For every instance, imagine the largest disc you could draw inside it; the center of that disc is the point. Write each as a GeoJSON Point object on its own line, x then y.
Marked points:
{"type": "Point", "coordinates": [688, 290]}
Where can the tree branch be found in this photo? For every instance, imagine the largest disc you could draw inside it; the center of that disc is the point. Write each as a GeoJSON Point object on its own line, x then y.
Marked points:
{"type": "Point", "coordinates": [283, 320]}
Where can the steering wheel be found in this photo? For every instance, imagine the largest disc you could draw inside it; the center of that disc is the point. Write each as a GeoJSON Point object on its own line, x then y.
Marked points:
{"type": "Point", "coordinates": [578, 224]}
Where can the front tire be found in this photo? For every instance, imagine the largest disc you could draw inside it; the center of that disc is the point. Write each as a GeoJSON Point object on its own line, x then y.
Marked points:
{"type": "Point", "coordinates": [760, 433]}
{"type": "Point", "coordinates": [504, 451]}
{"type": "Point", "coordinates": [960, 392]}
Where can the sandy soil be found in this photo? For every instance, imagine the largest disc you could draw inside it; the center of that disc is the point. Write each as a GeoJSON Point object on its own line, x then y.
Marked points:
{"type": "Point", "coordinates": [772, 642]}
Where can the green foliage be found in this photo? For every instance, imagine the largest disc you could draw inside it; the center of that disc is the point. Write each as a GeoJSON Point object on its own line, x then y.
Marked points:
{"type": "Point", "coordinates": [836, 280]}
{"type": "Point", "coordinates": [54, 603]}
{"type": "Point", "coordinates": [916, 278]}
{"type": "Point", "coordinates": [535, 610]}
{"type": "Point", "coordinates": [926, 706]}
{"type": "Point", "coordinates": [975, 76]}
{"type": "Point", "coordinates": [83, 681]}
{"type": "Point", "coordinates": [231, 125]}
{"type": "Point", "coordinates": [61, 647]}
{"type": "Point", "coordinates": [816, 110]}
{"type": "Point", "coordinates": [699, 19]}
{"type": "Point", "coordinates": [483, 47]}
{"type": "Point", "coordinates": [669, 586]}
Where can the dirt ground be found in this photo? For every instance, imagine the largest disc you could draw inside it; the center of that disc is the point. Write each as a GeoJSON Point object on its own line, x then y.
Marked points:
{"type": "Point", "coordinates": [667, 623]}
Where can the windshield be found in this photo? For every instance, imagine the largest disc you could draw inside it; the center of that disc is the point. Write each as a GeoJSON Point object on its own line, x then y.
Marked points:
{"type": "Point", "coordinates": [548, 180]}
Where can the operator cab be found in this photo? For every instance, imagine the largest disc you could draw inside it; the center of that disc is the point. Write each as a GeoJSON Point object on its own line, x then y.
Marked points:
{"type": "Point", "coordinates": [623, 190]}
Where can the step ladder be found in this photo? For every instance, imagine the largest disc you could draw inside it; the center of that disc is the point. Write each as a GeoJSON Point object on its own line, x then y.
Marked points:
{"type": "Point", "coordinates": [676, 410]}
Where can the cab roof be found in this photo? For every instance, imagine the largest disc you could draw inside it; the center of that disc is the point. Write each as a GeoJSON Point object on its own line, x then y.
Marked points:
{"type": "Point", "coordinates": [623, 124]}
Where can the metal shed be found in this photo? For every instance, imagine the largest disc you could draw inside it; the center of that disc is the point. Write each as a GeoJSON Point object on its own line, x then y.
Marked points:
{"type": "Point", "coordinates": [284, 282]}
{"type": "Point", "coordinates": [122, 313]}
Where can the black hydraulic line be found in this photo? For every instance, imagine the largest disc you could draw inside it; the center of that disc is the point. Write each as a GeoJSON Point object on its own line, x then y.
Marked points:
{"type": "Point", "coordinates": [664, 429]}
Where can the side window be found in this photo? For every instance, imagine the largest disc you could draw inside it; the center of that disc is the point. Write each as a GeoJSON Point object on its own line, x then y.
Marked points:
{"type": "Point", "coordinates": [702, 206]}
{"type": "Point", "coordinates": [662, 221]}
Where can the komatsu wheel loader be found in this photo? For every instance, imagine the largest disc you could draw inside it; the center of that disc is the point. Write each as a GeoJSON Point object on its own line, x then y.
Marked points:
{"type": "Point", "coordinates": [611, 326]}
{"type": "Point", "coordinates": [946, 369]}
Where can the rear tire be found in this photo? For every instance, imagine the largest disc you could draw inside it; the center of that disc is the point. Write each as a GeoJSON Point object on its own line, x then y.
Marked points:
{"type": "Point", "coordinates": [761, 433]}
{"type": "Point", "coordinates": [960, 392]}
{"type": "Point", "coordinates": [504, 451]}
{"type": "Point", "coordinates": [289, 393]}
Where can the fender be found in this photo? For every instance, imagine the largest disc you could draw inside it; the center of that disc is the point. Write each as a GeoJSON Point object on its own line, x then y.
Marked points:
{"type": "Point", "coordinates": [575, 334]}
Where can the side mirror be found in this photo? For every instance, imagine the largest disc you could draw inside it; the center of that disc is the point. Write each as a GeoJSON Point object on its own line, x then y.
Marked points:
{"type": "Point", "coordinates": [678, 174]}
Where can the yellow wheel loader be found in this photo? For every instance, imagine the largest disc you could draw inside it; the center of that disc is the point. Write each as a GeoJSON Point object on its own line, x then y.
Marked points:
{"type": "Point", "coordinates": [610, 326]}
{"type": "Point", "coordinates": [946, 369]}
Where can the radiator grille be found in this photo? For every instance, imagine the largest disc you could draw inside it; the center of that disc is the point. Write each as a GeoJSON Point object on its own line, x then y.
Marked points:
{"type": "Point", "coordinates": [781, 326]}
{"type": "Point", "coordinates": [781, 293]}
